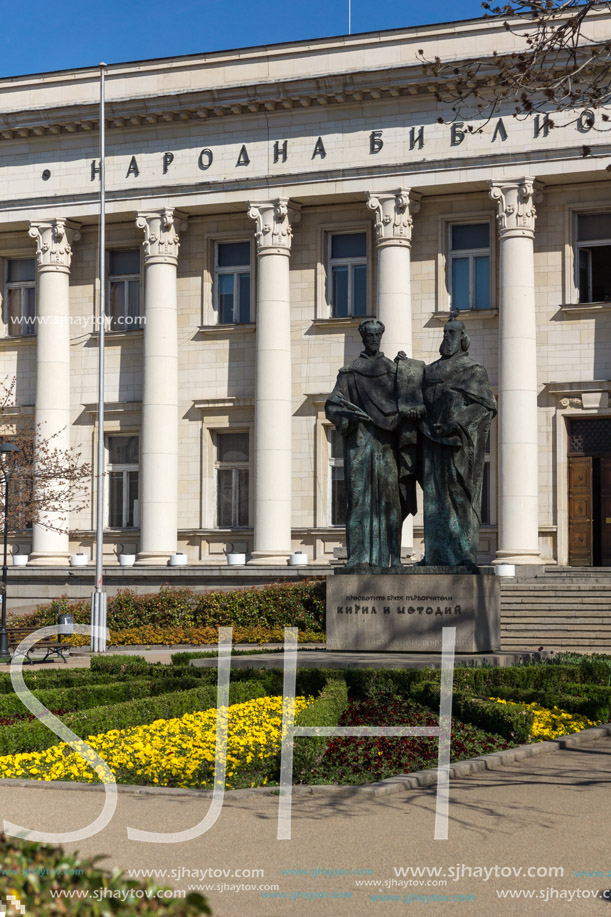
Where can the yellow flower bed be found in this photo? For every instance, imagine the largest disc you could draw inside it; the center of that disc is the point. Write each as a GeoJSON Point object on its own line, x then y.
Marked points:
{"type": "Point", "coordinates": [551, 724]}
{"type": "Point", "coordinates": [177, 752]}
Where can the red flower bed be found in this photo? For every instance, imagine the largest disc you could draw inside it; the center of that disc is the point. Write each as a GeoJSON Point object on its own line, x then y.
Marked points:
{"type": "Point", "coordinates": [359, 760]}
{"type": "Point", "coordinates": [25, 717]}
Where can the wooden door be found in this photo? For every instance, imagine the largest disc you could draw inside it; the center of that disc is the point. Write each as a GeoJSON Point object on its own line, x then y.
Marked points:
{"type": "Point", "coordinates": [581, 512]}
{"type": "Point", "coordinates": [605, 511]}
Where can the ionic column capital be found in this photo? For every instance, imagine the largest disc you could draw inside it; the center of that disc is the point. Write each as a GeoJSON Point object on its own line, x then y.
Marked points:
{"type": "Point", "coordinates": [274, 219]}
{"type": "Point", "coordinates": [54, 240]}
{"type": "Point", "coordinates": [161, 234]}
{"type": "Point", "coordinates": [394, 211]}
{"type": "Point", "coordinates": [515, 199]}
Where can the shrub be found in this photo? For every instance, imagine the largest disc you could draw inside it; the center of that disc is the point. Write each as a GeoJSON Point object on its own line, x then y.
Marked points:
{"type": "Point", "coordinates": [511, 721]}
{"type": "Point", "coordinates": [32, 871]}
{"type": "Point", "coordinates": [325, 711]}
{"type": "Point", "coordinates": [483, 680]}
{"type": "Point", "coordinates": [118, 663]}
{"type": "Point", "coordinates": [374, 683]}
{"type": "Point", "coordinates": [35, 736]}
{"type": "Point", "coordinates": [594, 706]}
{"type": "Point", "coordinates": [276, 606]}
{"type": "Point", "coordinates": [86, 696]}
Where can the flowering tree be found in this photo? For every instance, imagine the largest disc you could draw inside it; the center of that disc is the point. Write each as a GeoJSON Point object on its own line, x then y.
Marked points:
{"type": "Point", "coordinates": [558, 63]}
{"type": "Point", "coordinates": [46, 490]}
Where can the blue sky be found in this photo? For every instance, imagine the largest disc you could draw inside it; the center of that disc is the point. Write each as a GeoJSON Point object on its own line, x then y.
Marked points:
{"type": "Point", "coordinates": [38, 36]}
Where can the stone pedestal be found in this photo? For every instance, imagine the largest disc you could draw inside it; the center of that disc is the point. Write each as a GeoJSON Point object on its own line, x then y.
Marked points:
{"type": "Point", "coordinates": [405, 613]}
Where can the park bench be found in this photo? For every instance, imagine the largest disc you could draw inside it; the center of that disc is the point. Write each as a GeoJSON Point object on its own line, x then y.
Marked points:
{"type": "Point", "coordinates": [52, 645]}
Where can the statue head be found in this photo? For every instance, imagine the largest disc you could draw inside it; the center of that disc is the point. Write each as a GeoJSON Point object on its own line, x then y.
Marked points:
{"type": "Point", "coordinates": [371, 331]}
{"type": "Point", "coordinates": [455, 337]}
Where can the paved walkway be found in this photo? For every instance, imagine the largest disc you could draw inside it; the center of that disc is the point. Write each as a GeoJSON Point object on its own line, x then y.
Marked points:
{"type": "Point", "coordinates": [551, 811]}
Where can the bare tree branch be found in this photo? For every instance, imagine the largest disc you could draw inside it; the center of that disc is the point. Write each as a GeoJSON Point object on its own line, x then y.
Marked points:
{"type": "Point", "coordinates": [47, 483]}
{"type": "Point", "coordinates": [559, 66]}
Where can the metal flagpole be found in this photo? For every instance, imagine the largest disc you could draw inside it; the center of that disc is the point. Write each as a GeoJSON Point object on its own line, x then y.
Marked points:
{"type": "Point", "coordinates": [349, 17]}
{"type": "Point", "coordinates": [98, 599]}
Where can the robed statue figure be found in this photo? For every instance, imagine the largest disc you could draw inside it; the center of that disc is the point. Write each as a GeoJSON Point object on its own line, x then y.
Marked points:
{"type": "Point", "coordinates": [459, 408]}
{"type": "Point", "coordinates": [376, 405]}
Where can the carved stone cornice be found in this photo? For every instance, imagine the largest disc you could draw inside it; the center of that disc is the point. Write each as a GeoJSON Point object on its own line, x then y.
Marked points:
{"type": "Point", "coordinates": [54, 240]}
{"type": "Point", "coordinates": [394, 211]}
{"type": "Point", "coordinates": [515, 200]}
{"type": "Point", "coordinates": [274, 220]}
{"type": "Point", "coordinates": [161, 234]}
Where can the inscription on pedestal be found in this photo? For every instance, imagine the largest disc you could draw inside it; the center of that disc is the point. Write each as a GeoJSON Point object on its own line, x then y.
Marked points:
{"type": "Point", "coordinates": [406, 613]}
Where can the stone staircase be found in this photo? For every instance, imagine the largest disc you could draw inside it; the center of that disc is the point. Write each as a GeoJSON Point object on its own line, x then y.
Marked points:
{"type": "Point", "coordinates": [557, 608]}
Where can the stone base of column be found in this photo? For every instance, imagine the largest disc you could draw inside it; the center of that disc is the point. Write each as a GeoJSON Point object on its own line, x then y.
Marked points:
{"type": "Point", "coordinates": [48, 559]}
{"type": "Point", "coordinates": [271, 558]}
{"type": "Point", "coordinates": [153, 558]}
{"type": "Point", "coordinates": [518, 556]}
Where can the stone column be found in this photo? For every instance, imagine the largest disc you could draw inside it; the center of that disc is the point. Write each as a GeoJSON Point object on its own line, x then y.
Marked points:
{"type": "Point", "coordinates": [518, 455]}
{"type": "Point", "coordinates": [158, 494]}
{"type": "Point", "coordinates": [393, 228]}
{"type": "Point", "coordinates": [54, 238]}
{"type": "Point", "coordinates": [273, 399]}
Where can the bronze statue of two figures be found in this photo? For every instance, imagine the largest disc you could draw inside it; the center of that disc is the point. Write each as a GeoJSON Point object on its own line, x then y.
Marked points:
{"type": "Point", "coordinates": [402, 422]}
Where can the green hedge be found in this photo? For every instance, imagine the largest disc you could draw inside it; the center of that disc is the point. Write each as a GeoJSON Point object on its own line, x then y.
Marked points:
{"type": "Point", "coordinates": [84, 697]}
{"type": "Point", "coordinates": [594, 706]}
{"type": "Point", "coordinates": [374, 683]}
{"type": "Point", "coordinates": [55, 677]}
{"type": "Point", "coordinates": [325, 711]}
{"type": "Point", "coordinates": [34, 736]}
{"type": "Point", "coordinates": [300, 605]}
{"type": "Point", "coordinates": [479, 680]}
{"type": "Point", "coordinates": [511, 721]}
{"type": "Point", "coordinates": [123, 663]}
{"type": "Point", "coordinates": [483, 680]}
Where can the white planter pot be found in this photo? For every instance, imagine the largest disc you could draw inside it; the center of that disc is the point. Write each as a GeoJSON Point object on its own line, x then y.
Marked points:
{"type": "Point", "coordinates": [20, 560]}
{"type": "Point", "coordinates": [236, 560]}
{"type": "Point", "coordinates": [78, 560]}
{"type": "Point", "coordinates": [505, 569]}
{"type": "Point", "coordinates": [298, 559]}
{"type": "Point", "coordinates": [178, 560]}
{"type": "Point", "coordinates": [127, 560]}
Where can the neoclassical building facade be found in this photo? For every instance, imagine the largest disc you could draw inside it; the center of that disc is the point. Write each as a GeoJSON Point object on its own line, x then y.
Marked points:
{"type": "Point", "coordinates": [260, 203]}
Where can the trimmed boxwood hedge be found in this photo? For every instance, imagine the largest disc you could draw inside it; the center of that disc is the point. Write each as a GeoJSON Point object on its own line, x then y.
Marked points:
{"type": "Point", "coordinates": [34, 736]}
{"type": "Point", "coordinates": [512, 721]}
{"type": "Point", "coordinates": [325, 711]}
{"type": "Point", "coordinates": [84, 697]}
{"type": "Point", "coordinates": [593, 707]}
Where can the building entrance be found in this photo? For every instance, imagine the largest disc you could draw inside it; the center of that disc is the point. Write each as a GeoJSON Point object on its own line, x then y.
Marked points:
{"type": "Point", "coordinates": [590, 492]}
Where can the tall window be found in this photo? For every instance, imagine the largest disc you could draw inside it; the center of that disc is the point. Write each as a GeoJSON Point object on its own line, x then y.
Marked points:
{"type": "Point", "coordinates": [469, 265]}
{"type": "Point", "coordinates": [124, 289]}
{"type": "Point", "coordinates": [348, 273]}
{"type": "Point", "coordinates": [337, 492]}
{"type": "Point", "coordinates": [232, 282]}
{"type": "Point", "coordinates": [594, 257]}
{"type": "Point", "coordinates": [232, 474]}
{"type": "Point", "coordinates": [20, 308]}
{"type": "Point", "coordinates": [122, 467]}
